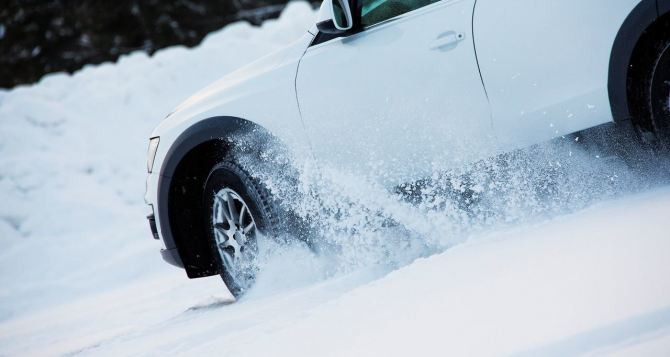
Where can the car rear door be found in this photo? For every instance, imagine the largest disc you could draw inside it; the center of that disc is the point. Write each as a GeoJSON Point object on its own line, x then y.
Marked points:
{"type": "Point", "coordinates": [401, 98]}
{"type": "Point", "coordinates": [545, 64]}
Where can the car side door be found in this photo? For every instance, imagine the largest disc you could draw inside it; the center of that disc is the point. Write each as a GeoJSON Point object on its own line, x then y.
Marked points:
{"type": "Point", "coordinates": [402, 97]}
{"type": "Point", "coordinates": [545, 64]}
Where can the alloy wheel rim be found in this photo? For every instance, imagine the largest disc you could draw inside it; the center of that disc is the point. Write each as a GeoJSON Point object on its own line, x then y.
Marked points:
{"type": "Point", "coordinates": [235, 233]}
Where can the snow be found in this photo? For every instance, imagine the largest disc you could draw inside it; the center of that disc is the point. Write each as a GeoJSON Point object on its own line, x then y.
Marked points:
{"type": "Point", "coordinates": [579, 270]}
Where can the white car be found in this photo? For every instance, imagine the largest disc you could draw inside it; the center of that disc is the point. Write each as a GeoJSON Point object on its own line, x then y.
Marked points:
{"type": "Point", "coordinates": [392, 90]}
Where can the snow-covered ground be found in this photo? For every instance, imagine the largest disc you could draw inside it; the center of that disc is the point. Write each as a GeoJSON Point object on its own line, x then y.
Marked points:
{"type": "Point", "coordinates": [581, 267]}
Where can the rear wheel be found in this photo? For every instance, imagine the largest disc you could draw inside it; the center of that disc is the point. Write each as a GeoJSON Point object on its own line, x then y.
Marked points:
{"type": "Point", "coordinates": [650, 92]}
{"type": "Point", "coordinates": [238, 211]}
{"type": "Point", "coordinates": [659, 95]}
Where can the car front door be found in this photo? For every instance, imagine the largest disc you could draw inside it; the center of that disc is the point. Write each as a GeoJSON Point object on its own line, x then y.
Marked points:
{"type": "Point", "coordinates": [401, 98]}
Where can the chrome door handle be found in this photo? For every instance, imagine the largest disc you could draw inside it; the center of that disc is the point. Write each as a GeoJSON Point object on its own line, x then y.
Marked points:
{"type": "Point", "coordinates": [447, 41]}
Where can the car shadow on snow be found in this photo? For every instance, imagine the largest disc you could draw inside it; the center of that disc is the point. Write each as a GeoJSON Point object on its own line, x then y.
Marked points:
{"type": "Point", "coordinates": [629, 331]}
{"type": "Point", "coordinates": [213, 302]}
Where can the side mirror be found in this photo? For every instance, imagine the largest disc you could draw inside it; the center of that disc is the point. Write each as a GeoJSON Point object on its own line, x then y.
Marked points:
{"type": "Point", "coordinates": [335, 17]}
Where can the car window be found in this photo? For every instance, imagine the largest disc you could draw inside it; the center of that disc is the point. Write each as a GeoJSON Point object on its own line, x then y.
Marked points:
{"type": "Point", "coordinates": [375, 11]}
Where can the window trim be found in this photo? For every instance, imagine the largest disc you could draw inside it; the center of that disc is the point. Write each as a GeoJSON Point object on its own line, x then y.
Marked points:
{"type": "Point", "coordinates": [316, 41]}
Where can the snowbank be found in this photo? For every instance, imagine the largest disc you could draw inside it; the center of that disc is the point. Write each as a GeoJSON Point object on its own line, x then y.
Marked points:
{"type": "Point", "coordinates": [73, 162]}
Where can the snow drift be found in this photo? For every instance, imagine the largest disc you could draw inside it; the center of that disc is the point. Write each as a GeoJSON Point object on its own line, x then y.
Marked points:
{"type": "Point", "coordinates": [550, 251]}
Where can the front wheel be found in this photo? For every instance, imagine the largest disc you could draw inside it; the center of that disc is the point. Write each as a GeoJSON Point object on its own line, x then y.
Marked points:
{"type": "Point", "coordinates": [238, 210]}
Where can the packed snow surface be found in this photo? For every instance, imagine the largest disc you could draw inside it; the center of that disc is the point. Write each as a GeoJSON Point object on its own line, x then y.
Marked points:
{"type": "Point", "coordinates": [559, 251]}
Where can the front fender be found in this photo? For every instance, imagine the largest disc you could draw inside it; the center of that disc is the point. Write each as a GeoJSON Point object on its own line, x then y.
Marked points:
{"type": "Point", "coordinates": [261, 95]}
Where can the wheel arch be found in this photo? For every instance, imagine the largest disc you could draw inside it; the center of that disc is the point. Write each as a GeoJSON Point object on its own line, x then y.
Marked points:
{"type": "Point", "coordinates": [182, 176]}
{"type": "Point", "coordinates": [643, 16]}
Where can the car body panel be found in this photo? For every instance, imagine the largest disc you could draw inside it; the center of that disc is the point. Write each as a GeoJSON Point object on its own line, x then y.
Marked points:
{"type": "Point", "coordinates": [545, 64]}
{"type": "Point", "coordinates": [400, 99]}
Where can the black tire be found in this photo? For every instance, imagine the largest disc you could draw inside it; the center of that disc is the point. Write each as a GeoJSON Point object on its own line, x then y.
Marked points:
{"type": "Point", "coordinates": [659, 94]}
{"type": "Point", "coordinates": [229, 176]}
{"type": "Point", "coordinates": [652, 95]}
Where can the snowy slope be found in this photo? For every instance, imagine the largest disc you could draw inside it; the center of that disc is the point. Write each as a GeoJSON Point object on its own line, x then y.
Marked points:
{"type": "Point", "coordinates": [579, 266]}
{"type": "Point", "coordinates": [574, 285]}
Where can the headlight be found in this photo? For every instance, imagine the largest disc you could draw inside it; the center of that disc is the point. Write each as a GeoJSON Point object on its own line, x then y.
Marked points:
{"type": "Point", "coordinates": [153, 147]}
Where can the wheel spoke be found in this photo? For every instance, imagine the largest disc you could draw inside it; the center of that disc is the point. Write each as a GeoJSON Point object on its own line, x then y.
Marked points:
{"type": "Point", "coordinates": [242, 212]}
{"type": "Point", "coordinates": [221, 231]}
{"type": "Point", "coordinates": [224, 206]}
{"type": "Point", "coordinates": [219, 215]}
{"type": "Point", "coordinates": [219, 236]}
{"type": "Point", "coordinates": [231, 208]}
{"type": "Point", "coordinates": [248, 228]}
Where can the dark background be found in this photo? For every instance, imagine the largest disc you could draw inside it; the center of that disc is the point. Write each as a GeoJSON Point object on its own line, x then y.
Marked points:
{"type": "Point", "coordinates": [44, 36]}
